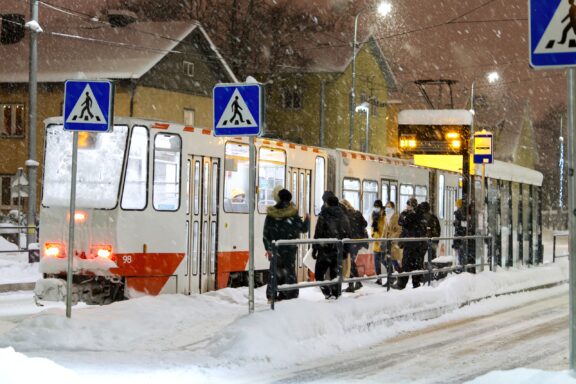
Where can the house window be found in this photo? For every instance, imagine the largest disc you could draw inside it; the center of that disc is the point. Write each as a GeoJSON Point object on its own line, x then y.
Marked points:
{"type": "Point", "coordinates": [188, 68]}
{"type": "Point", "coordinates": [12, 120]}
{"type": "Point", "coordinates": [292, 98]}
{"type": "Point", "coordinates": [5, 182]}
{"type": "Point", "coordinates": [189, 116]}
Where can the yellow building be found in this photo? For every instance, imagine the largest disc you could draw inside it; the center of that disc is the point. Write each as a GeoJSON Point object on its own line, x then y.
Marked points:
{"type": "Point", "coordinates": [310, 104]}
{"type": "Point", "coordinates": [161, 70]}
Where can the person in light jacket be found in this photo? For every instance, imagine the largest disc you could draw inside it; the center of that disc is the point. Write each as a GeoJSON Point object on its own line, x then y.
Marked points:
{"type": "Point", "coordinates": [393, 230]}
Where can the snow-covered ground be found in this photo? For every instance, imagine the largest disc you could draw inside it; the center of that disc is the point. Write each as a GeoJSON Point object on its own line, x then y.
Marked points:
{"type": "Point", "coordinates": [14, 266]}
{"type": "Point", "coordinates": [211, 337]}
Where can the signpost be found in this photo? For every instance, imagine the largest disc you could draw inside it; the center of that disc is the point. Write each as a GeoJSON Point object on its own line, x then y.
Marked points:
{"type": "Point", "coordinates": [238, 110]}
{"type": "Point", "coordinates": [88, 107]}
{"type": "Point", "coordinates": [552, 44]}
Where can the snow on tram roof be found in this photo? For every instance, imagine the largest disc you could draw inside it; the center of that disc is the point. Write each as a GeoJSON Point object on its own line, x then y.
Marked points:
{"type": "Point", "coordinates": [435, 117]}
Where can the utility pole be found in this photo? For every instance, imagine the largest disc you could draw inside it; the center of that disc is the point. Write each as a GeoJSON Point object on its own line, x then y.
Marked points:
{"type": "Point", "coordinates": [32, 163]}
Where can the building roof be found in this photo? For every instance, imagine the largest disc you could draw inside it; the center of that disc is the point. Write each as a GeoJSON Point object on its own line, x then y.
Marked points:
{"type": "Point", "coordinates": [88, 51]}
{"type": "Point", "coordinates": [324, 53]}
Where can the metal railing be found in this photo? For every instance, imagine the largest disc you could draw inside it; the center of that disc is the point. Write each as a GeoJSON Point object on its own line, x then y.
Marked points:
{"type": "Point", "coordinates": [33, 253]}
{"type": "Point", "coordinates": [389, 275]}
{"type": "Point", "coordinates": [555, 235]}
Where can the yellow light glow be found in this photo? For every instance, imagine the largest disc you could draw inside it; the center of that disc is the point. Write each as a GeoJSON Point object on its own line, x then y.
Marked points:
{"type": "Point", "coordinates": [455, 144]}
{"type": "Point", "coordinates": [104, 251]}
{"type": "Point", "coordinates": [80, 216]}
{"type": "Point", "coordinates": [452, 135]}
{"type": "Point", "coordinates": [412, 143]}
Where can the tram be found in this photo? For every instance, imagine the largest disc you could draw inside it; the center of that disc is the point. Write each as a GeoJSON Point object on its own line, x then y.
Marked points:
{"type": "Point", "coordinates": [162, 207]}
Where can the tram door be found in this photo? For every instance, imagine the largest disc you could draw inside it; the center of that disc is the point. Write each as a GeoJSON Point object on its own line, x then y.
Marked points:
{"type": "Point", "coordinates": [202, 222]}
{"type": "Point", "coordinates": [299, 182]}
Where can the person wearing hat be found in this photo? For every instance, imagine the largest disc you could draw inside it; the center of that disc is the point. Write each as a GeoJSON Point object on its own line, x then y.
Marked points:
{"type": "Point", "coordinates": [410, 221]}
{"type": "Point", "coordinates": [283, 223]}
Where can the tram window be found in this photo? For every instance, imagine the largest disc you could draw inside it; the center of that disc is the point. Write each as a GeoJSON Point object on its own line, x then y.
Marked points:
{"type": "Point", "coordinates": [205, 186]}
{"type": "Point", "coordinates": [196, 189]}
{"type": "Point", "coordinates": [215, 188]}
{"type": "Point", "coordinates": [167, 149]}
{"type": "Point", "coordinates": [441, 197]}
{"type": "Point", "coordinates": [100, 163]}
{"type": "Point", "coordinates": [385, 191]}
{"type": "Point", "coordinates": [236, 178]}
{"type": "Point", "coordinates": [369, 196]}
{"type": "Point", "coordinates": [319, 182]}
{"type": "Point", "coordinates": [406, 192]}
{"type": "Point", "coordinates": [351, 191]}
{"type": "Point", "coordinates": [271, 172]}
{"type": "Point", "coordinates": [421, 193]}
{"type": "Point", "coordinates": [135, 180]}
{"type": "Point", "coordinates": [394, 193]}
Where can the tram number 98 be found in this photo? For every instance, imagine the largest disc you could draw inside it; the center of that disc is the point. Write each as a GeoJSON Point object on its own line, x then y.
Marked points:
{"type": "Point", "coordinates": [127, 259]}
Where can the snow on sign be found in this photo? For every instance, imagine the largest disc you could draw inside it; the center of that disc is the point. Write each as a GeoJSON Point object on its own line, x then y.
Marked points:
{"type": "Point", "coordinates": [552, 33]}
{"type": "Point", "coordinates": [237, 109]}
{"type": "Point", "coordinates": [88, 105]}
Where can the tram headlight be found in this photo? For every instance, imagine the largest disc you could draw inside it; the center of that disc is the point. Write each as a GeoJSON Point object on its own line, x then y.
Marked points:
{"type": "Point", "coordinates": [54, 250]}
{"type": "Point", "coordinates": [104, 251]}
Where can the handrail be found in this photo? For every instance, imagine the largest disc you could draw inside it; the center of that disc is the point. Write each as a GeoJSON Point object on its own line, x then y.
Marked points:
{"type": "Point", "coordinates": [389, 275]}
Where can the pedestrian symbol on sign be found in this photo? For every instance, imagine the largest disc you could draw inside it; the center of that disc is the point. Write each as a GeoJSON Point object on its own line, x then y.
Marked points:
{"type": "Point", "coordinates": [86, 110]}
{"type": "Point", "coordinates": [237, 114]}
{"type": "Point", "coordinates": [556, 36]}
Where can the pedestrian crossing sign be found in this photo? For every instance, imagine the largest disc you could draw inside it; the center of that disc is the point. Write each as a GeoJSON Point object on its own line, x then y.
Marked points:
{"type": "Point", "coordinates": [88, 105]}
{"type": "Point", "coordinates": [238, 109]}
{"type": "Point", "coordinates": [552, 33]}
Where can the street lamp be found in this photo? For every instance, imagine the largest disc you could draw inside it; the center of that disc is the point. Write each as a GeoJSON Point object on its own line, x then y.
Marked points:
{"type": "Point", "coordinates": [365, 108]}
{"type": "Point", "coordinates": [492, 77]}
{"type": "Point", "coordinates": [383, 9]}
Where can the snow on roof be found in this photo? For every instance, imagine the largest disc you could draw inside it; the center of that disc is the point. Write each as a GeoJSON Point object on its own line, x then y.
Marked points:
{"type": "Point", "coordinates": [511, 172]}
{"type": "Point", "coordinates": [435, 117]}
{"type": "Point", "coordinates": [101, 52]}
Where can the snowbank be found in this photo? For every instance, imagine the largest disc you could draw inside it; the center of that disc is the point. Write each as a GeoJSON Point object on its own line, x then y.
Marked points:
{"type": "Point", "coordinates": [14, 266]}
{"type": "Point", "coordinates": [525, 376]}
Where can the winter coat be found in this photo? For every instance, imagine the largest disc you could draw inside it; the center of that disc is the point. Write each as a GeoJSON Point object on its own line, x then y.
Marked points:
{"type": "Point", "coordinates": [411, 223]}
{"type": "Point", "coordinates": [432, 224]}
{"type": "Point", "coordinates": [391, 230]}
{"type": "Point", "coordinates": [283, 223]}
{"type": "Point", "coordinates": [459, 226]}
{"type": "Point", "coordinates": [378, 223]}
{"type": "Point", "coordinates": [332, 223]}
{"type": "Point", "coordinates": [358, 226]}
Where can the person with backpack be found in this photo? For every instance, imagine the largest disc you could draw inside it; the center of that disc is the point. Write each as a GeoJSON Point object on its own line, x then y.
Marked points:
{"type": "Point", "coordinates": [332, 224]}
{"type": "Point", "coordinates": [283, 223]}
{"type": "Point", "coordinates": [432, 225]}
{"type": "Point", "coordinates": [410, 221]}
{"type": "Point", "coordinates": [358, 231]}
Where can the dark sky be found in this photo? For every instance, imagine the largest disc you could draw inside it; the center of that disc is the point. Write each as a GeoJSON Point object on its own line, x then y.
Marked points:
{"type": "Point", "coordinates": [461, 40]}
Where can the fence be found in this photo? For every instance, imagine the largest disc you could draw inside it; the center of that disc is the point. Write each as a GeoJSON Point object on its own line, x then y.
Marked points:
{"type": "Point", "coordinates": [32, 248]}
{"type": "Point", "coordinates": [555, 235]}
{"type": "Point", "coordinates": [389, 275]}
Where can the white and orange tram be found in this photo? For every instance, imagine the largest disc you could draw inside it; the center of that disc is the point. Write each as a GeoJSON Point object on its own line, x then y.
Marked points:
{"type": "Point", "coordinates": [162, 207]}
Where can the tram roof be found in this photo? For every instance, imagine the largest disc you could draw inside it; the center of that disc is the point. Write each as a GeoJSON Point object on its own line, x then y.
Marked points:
{"type": "Point", "coordinates": [435, 117]}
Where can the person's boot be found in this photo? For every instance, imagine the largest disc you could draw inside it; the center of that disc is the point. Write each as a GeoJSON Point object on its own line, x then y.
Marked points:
{"type": "Point", "coordinates": [350, 287]}
{"type": "Point", "coordinates": [358, 286]}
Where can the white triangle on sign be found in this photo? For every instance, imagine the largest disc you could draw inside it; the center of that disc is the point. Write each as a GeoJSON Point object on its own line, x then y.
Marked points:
{"type": "Point", "coordinates": [236, 114]}
{"type": "Point", "coordinates": [86, 110]}
{"type": "Point", "coordinates": [552, 37]}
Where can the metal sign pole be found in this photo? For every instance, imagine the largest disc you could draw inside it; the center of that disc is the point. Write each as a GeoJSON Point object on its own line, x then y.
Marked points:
{"type": "Point", "coordinates": [572, 208]}
{"type": "Point", "coordinates": [251, 208]}
{"type": "Point", "coordinates": [71, 224]}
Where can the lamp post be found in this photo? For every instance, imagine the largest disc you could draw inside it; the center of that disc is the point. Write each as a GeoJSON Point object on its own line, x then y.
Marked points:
{"type": "Point", "coordinates": [365, 108]}
{"type": "Point", "coordinates": [384, 8]}
{"type": "Point", "coordinates": [492, 77]}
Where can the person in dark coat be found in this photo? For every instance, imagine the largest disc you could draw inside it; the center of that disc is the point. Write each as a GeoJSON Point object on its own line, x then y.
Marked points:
{"type": "Point", "coordinates": [412, 259]}
{"type": "Point", "coordinates": [358, 230]}
{"type": "Point", "coordinates": [332, 224]}
{"type": "Point", "coordinates": [283, 223]}
{"type": "Point", "coordinates": [459, 230]}
{"type": "Point", "coordinates": [432, 224]}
